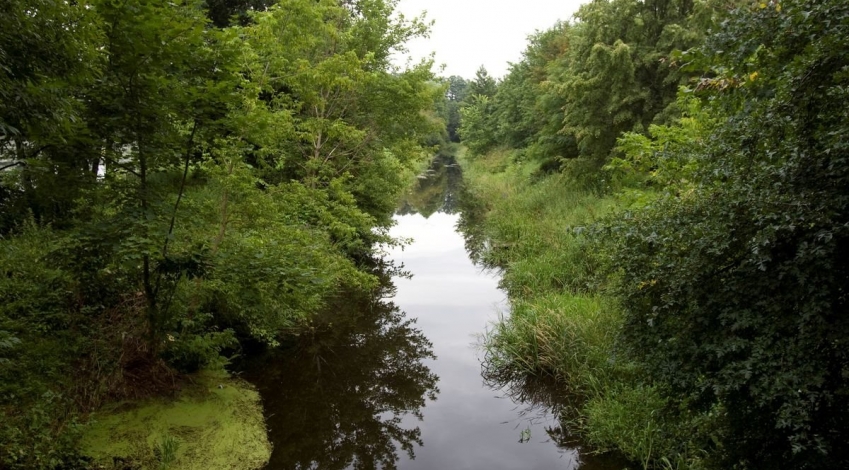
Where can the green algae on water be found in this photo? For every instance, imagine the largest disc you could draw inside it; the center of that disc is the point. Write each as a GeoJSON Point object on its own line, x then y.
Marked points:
{"type": "Point", "coordinates": [215, 423]}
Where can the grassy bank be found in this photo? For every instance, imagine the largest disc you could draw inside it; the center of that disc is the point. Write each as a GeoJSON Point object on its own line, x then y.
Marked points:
{"type": "Point", "coordinates": [214, 422]}
{"type": "Point", "coordinates": [563, 322]}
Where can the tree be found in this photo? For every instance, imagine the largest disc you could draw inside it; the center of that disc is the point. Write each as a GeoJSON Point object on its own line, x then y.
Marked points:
{"type": "Point", "coordinates": [355, 123]}
{"type": "Point", "coordinates": [47, 57]}
{"type": "Point", "coordinates": [483, 84]}
{"type": "Point", "coordinates": [458, 90]}
{"type": "Point", "coordinates": [162, 89]}
{"type": "Point", "coordinates": [580, 85]}
{"type": "Point", "coordinates": [478, 128]}
{"type": "Point", "coordinates": [225, 13]}
{"type": "Point", "coordinates": [169, 187]}
{"type": "Point", "coordinates": [529, 108]}
{"type": "Point", "coordinates": [618, 75]}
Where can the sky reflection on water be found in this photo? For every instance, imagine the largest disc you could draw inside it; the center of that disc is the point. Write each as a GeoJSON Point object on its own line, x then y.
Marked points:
{"type": "Point", "coordinates": [469, 426]}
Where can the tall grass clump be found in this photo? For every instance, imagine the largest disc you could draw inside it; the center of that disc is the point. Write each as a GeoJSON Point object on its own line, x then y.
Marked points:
{"type": "Point", "coordinates": [570, 337]}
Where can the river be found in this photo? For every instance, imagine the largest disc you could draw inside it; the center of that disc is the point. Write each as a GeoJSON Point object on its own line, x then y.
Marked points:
{"type": "Point", "coordinates": [393, 379]}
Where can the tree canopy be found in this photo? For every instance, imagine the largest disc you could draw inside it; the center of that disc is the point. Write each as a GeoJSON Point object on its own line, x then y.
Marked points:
{"type": "Point", "coordinates": [738, 279]}
{"type": "Point", "coordinates": [581, 84]}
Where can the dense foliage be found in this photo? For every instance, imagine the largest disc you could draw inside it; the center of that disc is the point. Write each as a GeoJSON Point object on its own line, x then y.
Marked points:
{"type": "Point", "coordinates": [580, 85]}
{"type": "Point", "coordinates": [170, 185]}
{"type": "Point", "coordinates": [455, 96]}
{"type": "Point", "coordinates": [724, 260]}
{"type": "Point", "coordinates": [739, 283]}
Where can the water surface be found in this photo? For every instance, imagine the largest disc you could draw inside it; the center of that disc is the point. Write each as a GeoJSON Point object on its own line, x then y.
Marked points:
{"type": "Point", "coordinates": [469, 426]}
{"type": "Point", "coordinates": [392, 378]}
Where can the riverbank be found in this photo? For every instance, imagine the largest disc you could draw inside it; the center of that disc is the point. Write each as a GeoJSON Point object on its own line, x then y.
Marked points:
{"type": "Point", "coordinates": [564, 324]}
{"type": "Point", "coordinates": [215, 421]}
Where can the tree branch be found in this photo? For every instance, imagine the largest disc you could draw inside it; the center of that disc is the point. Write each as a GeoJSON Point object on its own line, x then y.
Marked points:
{"type": "Point", "coordinates": [177, 203]}
{"type": "Point", "coordinates": [11, 165]}
{"type": "Point", "coordinates": [121, 166]}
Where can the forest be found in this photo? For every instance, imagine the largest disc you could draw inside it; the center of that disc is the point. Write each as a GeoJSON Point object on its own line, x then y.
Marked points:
{"type": "Point", "coordinates": [662, 184]}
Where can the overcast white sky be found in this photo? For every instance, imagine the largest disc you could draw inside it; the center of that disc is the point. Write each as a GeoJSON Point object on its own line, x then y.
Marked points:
{"type": "Point", "coordinates": [471, 33]}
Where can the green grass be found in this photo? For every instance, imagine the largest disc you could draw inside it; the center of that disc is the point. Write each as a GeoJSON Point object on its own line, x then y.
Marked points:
{"type": "Point", "coordinates": [562, 323]}
{"type": "Point", "coordinates": [216, 422]}
{"type": "Point", "coordinates": [570, 337]}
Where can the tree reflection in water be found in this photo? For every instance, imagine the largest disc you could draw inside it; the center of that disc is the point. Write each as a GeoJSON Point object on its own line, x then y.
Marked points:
{"type": "Point", "coordinates": [436, 190]}
{"type": "Point", "coordinates": [335, 397]}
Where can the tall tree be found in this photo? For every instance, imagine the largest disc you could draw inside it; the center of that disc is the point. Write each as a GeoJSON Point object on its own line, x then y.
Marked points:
{"type": "Point", "coordinates": [478, 128]}
{"type": "Point", "coordinates": [168, 186]}
{"type": "Point", "coordinates": [618, 76]}
{"type": "Point", "coordinates": [458, 90]}
{"type": "Point", "coordinates": [483, 84]}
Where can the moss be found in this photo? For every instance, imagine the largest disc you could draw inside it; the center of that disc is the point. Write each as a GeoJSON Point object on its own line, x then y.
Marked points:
{"type": "Point", "coordinates": [216, 422]}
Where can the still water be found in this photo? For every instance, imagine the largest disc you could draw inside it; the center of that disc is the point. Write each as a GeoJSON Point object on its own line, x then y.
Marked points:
{"type": "Point", "coordinates": [393, 379]}
{"type": "Point", "coordinates": [469, 426]}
